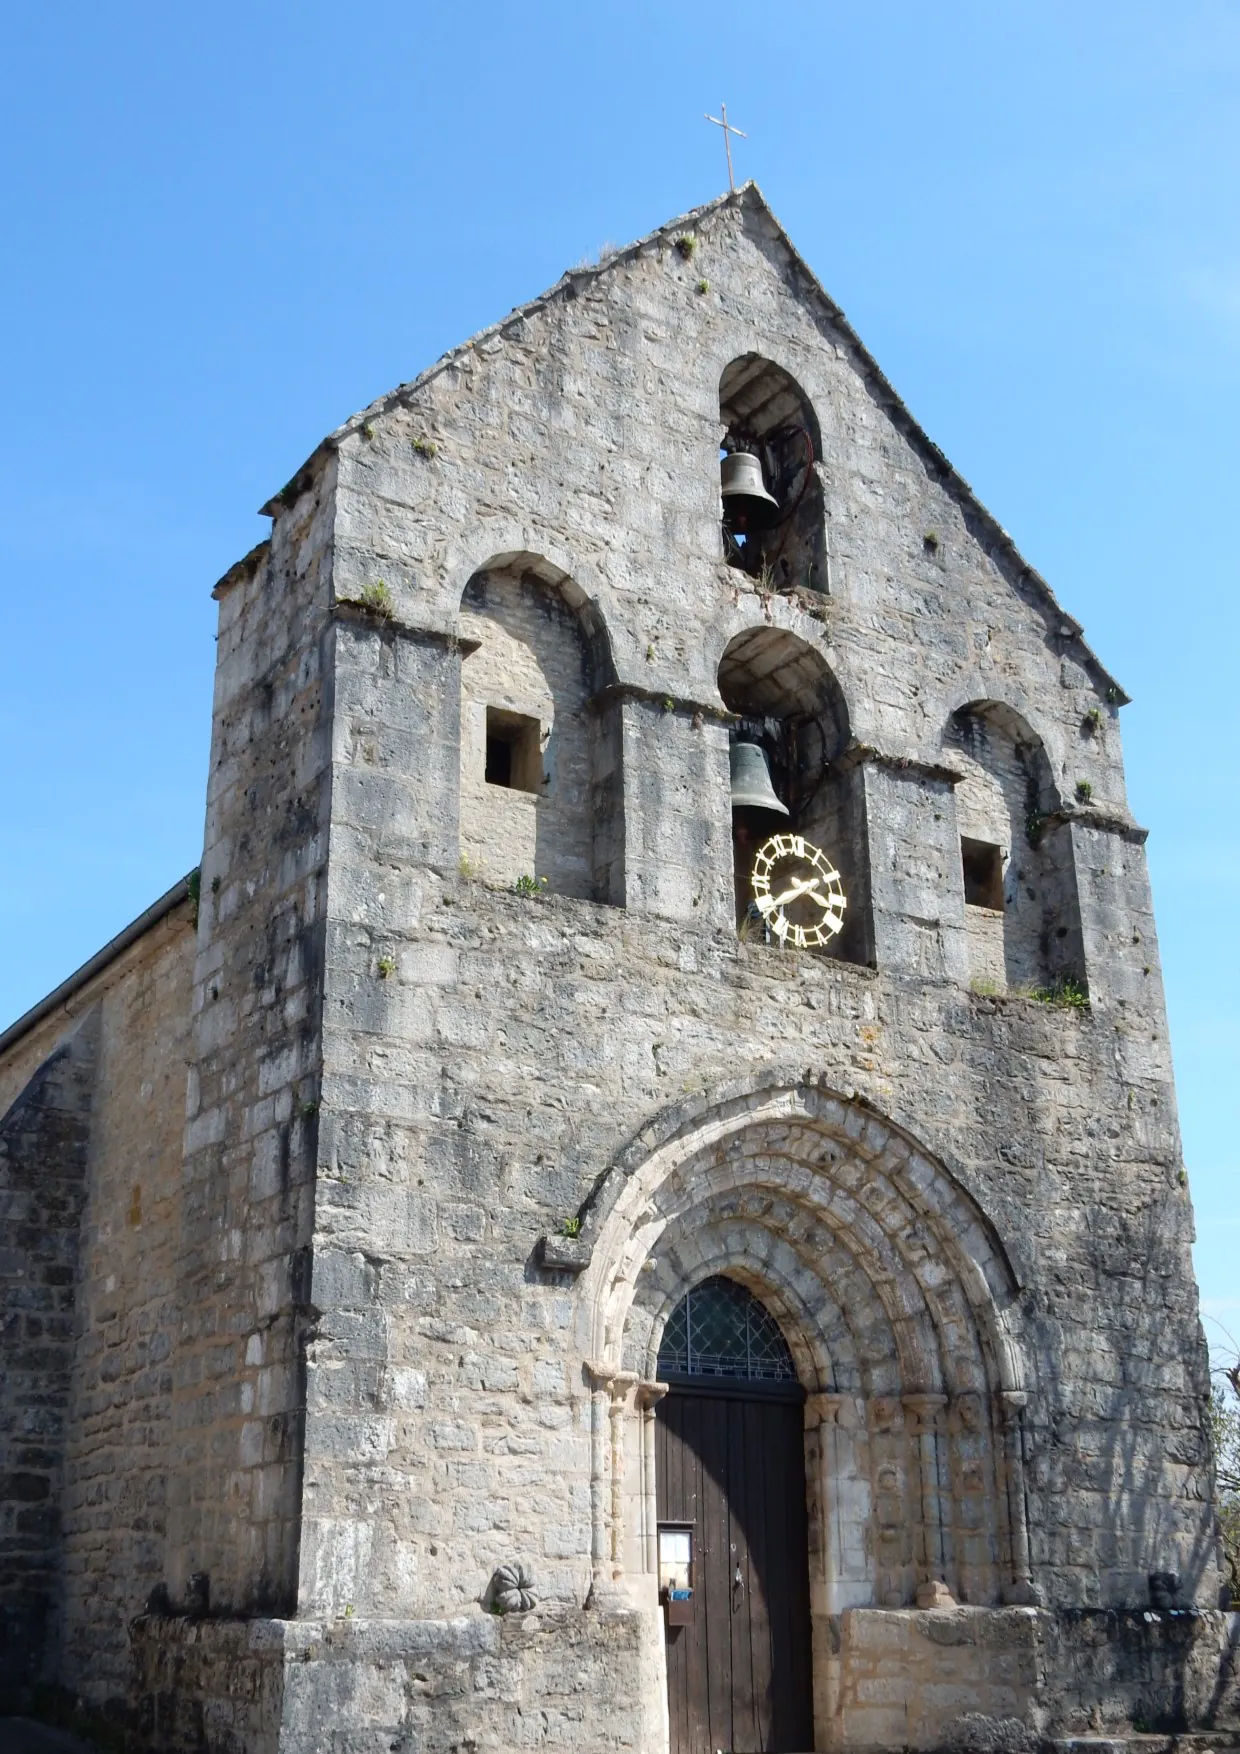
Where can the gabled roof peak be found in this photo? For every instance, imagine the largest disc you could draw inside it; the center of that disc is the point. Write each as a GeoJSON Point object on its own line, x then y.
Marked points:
{"type": "Point", "coordinates": [749, 196]}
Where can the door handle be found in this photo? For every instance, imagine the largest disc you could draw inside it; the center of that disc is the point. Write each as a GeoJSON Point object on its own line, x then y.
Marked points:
{"type": "Point", "coordinates": [738, 1582]}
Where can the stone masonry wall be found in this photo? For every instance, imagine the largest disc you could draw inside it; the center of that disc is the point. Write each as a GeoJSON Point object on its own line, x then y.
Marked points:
{"type": "Point", "coordinates": [458, 1417]}
{"type": "Point", "coordinates": [250, 1139]}
{"type": "Point", "coordinates": [115, 1503]}
{"type": "Point", "coordinates": [110, 1302]}
{"type": "Point", "coordinates": [44, 1145]}
{"type": "Point", "coordinates": [473, 1097]}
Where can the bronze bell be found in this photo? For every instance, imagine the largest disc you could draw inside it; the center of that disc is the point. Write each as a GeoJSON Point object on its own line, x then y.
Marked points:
{"type": "Point", "coordinates": [746, 503]}
{"type": "Point", "coordinates": [751, 780]}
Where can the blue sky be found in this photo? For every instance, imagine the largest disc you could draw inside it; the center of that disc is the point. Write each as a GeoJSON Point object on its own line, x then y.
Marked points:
{"type": "Point", "coordinates": [226, 228]}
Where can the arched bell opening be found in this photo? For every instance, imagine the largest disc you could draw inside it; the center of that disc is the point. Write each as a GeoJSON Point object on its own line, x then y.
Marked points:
{"type": "Point", "coordinates": [798, 803]}
{"type": "Point", "coordinates": [772, 507]}
{"type": "Point", "coordinates": [1022, 909]}
{"type": "Point", "coordinates": [541, 776]}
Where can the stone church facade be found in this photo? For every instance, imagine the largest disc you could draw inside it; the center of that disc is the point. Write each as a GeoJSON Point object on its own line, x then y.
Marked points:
{"type": "Point", "coordinates": [471, 1278]}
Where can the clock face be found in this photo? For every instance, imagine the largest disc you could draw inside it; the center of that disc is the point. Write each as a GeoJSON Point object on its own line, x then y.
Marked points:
{"type": "Point", "coordinates": [797, 891]}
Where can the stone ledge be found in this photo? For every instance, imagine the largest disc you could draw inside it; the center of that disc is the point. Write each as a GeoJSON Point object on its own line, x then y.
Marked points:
{"type": "Point", "coordinates": [565, 1254]}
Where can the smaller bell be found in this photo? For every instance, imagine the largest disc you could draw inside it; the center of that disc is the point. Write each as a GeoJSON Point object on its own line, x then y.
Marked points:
{"type": "Point", "coordinates": [747, 506]}
{"type": "Point", "coordinates": [751, 780]}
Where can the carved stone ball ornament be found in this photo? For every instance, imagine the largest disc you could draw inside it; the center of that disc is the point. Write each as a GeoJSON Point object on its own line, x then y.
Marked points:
{"type": "Point", "coordinates": [798, 891]}
{"type": "Point", "coordinates": [512, 1589]}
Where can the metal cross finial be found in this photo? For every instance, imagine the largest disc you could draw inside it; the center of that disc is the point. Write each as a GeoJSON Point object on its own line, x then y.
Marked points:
{"type": "Point", "coordinates": [727, 129]}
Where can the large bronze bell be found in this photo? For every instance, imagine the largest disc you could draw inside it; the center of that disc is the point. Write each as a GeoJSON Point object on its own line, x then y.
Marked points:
{"type": "Point", "coordinates": [751, 780]}
{"type": "Point", "coordinates": [747, 506]}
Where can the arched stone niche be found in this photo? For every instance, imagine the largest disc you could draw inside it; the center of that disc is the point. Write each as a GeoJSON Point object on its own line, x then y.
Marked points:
{"type": "Point", "coordinates": [541, 779]}
{"type": "Point", "coordinates": [1022, 911]}
{"type": "Point", "coordinates": [899, 1307]}
{"type": "Point", "coordinates": [763, 410]}
{"type": "Point", "coordinates": [788, 700]}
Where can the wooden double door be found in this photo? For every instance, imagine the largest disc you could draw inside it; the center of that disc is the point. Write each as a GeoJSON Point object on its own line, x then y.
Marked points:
{"type": "Point", "coordinates": [730, 1462]}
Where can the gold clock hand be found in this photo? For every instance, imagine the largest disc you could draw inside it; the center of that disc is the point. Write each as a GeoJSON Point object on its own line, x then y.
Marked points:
{"type": "Point", "coordinates": [798, 888]}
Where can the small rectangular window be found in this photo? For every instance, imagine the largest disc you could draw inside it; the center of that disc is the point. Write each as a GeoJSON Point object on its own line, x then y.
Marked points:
{"type": "Point", "coordinates": [514, 751]}
{"type": "Point", "coordinates": [983, 873]}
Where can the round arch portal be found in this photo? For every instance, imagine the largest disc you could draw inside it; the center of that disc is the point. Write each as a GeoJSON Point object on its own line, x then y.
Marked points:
{"type": "Point", "coordinates": [900, 1310]}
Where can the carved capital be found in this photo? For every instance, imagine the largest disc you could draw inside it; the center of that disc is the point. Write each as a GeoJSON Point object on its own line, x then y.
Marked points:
{"type": "Point", "coordinates": [829, 1408]}
{"type": "Point", "coordinates": [609, 1378]}
{"type": "Point", "coordinates": [1011, 1403]}
{"type": "Point", "coordinates": [925, 1412]}
{"type": "Point", "coordinates": [650, 1392]}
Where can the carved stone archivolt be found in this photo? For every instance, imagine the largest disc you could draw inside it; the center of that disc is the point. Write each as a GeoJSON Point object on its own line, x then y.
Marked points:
{"type": "Point", "coordinates": [897, 1304]}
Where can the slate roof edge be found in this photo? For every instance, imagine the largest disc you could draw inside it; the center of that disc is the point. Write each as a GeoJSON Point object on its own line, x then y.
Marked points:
{"type": "Point", "coordinates": [889, 398]}
{"type": "Point", "coordinates": [115, 947]}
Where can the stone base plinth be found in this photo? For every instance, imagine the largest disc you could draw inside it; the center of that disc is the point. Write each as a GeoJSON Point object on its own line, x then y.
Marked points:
{"type": "Point", "coordinates": [555, 1679]}
{"type": "Point", "coordinates": [973, 1680]}
{"type": "Point", "coordinates": [1010, 1680]}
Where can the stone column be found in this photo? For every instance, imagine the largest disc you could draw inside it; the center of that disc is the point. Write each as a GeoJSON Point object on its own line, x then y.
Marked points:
{"type": "Point", "coordinates": [825, 1412]}
{"type": "Point", "coordinates": [969, 1496]}
{"type": "Point", "coordinates": [618, 1388]}
{"type": "Point", "coordinates": [648, 1393]}
{"type": "Point", "coordinates": [891, 1458]}
{"type": "Point", "coordinates": [925, 1417]}
{"type": "Point", "coordinates": [609, 1390]}
{"type": "Point", "coordinates": [1021, 1588]}
{"type": "Point", "coordinates": [919, 925]}
{"type": "Point", "coordinates": [599, 1377]}
{"type": "Point", "coordinates": [677, 812]}
{"type": "Point", "coordinates": [831, 1422]}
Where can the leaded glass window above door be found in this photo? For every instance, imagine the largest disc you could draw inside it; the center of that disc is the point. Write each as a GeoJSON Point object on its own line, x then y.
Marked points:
{"type": "Point", "coordinates": [720, 1329]}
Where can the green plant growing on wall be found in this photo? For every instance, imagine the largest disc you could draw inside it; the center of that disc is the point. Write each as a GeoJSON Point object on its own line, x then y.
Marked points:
{"type": "Point", "coordinates": [387, 967]}
{"type": "Point", "coordinates": [425, 447]}
{"type": "Point", "coordinates": [527, 885]}
{"type": "Point", "coordinates": [368, 429]}
{"type": "Point", "coordinates": [570, 1227]}
{"type": "Point", "coordinates": [1067, 992]}
{"type": "Point", "coordinates": [194, 885]}
{"type": "Point", "coordinates": [1084, 791]}
{"type": "Point", "coordinates": [686, 247]}
{"type": "Point", "coordinates": [930, 541]}
{"type": "Point", "coordinates": [1035, 826]}
{"type": "Point", "coordinates": [1091, 724]}
{"type": "Point", "coordinates": [703, 285]}
{"type": "Point", "coordinates": [377, 598]}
